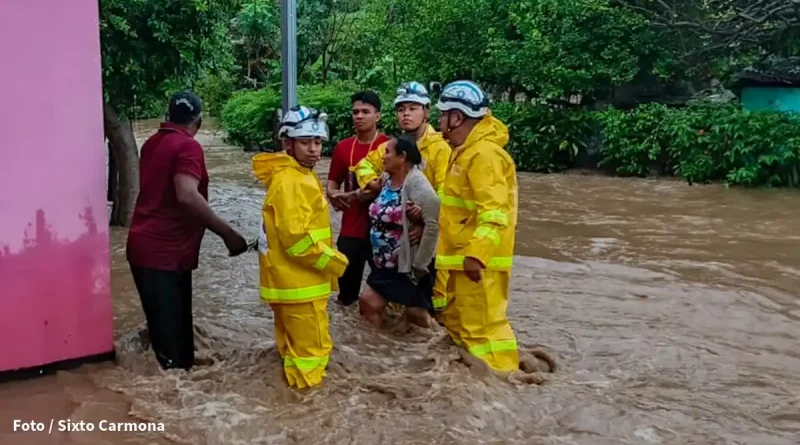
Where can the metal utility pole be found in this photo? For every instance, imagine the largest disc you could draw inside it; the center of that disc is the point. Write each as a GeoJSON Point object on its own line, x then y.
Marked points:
{"type": "Point", "coordinates": [289, 53]}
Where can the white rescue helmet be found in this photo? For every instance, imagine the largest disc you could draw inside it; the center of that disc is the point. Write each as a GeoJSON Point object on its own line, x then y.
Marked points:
{"type": "Point", "coordinates": [304, 122]}
{"type": "Point", "coordinates": [413, 92]}
{"type": "Point", "coordinates": [465, 96]}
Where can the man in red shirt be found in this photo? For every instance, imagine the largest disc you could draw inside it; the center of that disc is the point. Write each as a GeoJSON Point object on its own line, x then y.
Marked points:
{"type": "Point", "coordinates": [169, 221]}
{"type": "Point", "coordinates": [343, 192]}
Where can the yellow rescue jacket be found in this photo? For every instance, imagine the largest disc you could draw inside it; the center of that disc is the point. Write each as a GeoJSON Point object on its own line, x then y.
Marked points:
{"type": "Point", "coordinates": [297, 264]}
{"type": "Point", "coordinates": [478, 215]}
{"type": "Point", "coordinates": [435, 153]}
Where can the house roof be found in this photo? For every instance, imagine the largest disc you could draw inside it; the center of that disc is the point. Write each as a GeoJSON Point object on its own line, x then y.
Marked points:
{"type": "Point", "coordinates": [774, 71]}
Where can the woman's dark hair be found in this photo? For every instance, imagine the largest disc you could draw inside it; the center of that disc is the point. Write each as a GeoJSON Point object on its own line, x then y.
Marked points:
{"type": "Point", "coordinates": [406, 144]}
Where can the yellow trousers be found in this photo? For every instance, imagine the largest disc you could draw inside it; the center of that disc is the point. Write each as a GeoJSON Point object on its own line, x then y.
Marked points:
{"type": "Point", "coordinates": [475, 317]}
{"type": "Point", "coordinates": [304, 341]}
{"type": "Point", "coordinates": [440, 290]}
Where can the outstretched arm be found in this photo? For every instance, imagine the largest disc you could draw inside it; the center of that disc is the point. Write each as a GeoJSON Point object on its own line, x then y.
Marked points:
{"type": "Point", "coordinates": [371, 167]}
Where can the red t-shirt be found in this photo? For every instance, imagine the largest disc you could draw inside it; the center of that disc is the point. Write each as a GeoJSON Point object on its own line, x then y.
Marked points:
{"type": "Point", "coordinates": [348, 152]}
{"type": "Point", "coordinates": [163, 235]}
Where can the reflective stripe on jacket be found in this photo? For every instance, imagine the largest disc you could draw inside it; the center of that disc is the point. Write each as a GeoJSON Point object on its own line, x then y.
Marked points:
{"type": "Point", "coordinates": [435, 153]}
{"type": "Point", "coordinates": [297, 262]}
{"type": "Point", "coordinates": [478, 215]}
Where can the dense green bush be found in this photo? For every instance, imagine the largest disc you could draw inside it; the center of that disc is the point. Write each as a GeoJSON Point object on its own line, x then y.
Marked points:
{"type": "Point", "coordinates": [633, 141]}
{"type": "Point", "coordinates": [741, 147]}
{"type": "Point", "coordinates": [215, 90]}
{"type": "Point", "coordinates": [700, 143]}
{"type": "Point", "coordinates": [704, 143]}
{"type": "Point", "coordinates": [544, 139]}
{"type": "Point", "coordinates": [247, 116]}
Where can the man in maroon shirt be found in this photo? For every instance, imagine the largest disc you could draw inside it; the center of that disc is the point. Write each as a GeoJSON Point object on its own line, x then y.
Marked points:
{"type": "Point", "coordinates": [169, 221]}
{"type": "Point", "coordinates": [354, 236]}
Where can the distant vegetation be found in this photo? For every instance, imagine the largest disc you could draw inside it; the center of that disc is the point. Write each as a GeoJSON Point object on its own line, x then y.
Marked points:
{"type": "Point", "coordinates": [579, 81]}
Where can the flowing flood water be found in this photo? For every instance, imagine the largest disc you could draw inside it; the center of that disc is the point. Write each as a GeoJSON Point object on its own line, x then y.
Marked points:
{"type": "Point", "coordinates": [672, 312]}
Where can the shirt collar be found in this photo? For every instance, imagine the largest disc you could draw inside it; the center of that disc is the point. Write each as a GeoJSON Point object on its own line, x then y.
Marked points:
{"type": "Point", "coordinates": [174, 128]}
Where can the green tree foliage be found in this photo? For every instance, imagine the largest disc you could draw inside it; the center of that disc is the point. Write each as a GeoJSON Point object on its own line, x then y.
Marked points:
{"type": "Point", "coordinates": [581, 46]}
{"type": "Point", "coordinates": [545, 48]}
{"type": "Point", "coordinates": [325, 31]}
{"type": "Point", "coordinates": [541, 47]}
{"type": "Point", "coordinates": [257, 30]}
{"type": "Point", "coordinates": [717, 37]}
{"type": "Point", "coordinates": [151, 48]}
{"type": "Point", "coordinates": [550, 65]}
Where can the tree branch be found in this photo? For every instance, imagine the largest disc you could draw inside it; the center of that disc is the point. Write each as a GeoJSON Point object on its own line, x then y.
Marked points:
{"type": "Point", "coordinates": [728, 23]}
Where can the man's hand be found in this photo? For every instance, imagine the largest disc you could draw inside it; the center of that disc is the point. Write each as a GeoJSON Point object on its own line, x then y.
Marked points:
{"type": "Point", "coordinates": [415, 234]}
{"type": "Point", "coordinates": [414, 212]}
{"type": "Point", "coordinates": [235, 243]}
{"type": "Point", "coordinates": [474, 269]}
{"type": "Point", "coordinates": [363, 196]}
{"type": "Point", "coordinates": [336, 196]}
{"type": "Point", "coordinates": [340, 200]}
{"type": "Point", "coordinates": [374, 186]}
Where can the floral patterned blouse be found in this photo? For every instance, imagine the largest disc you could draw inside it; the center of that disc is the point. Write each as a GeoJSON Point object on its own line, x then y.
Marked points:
{"type": "Point", "coordinates": [386, 226]}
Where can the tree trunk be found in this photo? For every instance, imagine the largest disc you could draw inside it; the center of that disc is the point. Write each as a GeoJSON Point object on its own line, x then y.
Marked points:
{"type": "Point", "coordinates": [113, 183]}
{"type": "Point", "coordinates": [324, 68]}
{"type": "Point", "coordinates": [113, 171]}
{"type": "Point", "coordinates": [126, 155]}
{"type": "Point", "coordinates": [249, 66]}
{"type": "Point", "coordinates": [276, 125]}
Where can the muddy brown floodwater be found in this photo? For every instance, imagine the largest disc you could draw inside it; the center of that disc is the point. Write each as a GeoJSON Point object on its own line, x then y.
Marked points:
{"type": "Point", "coordinates": [672, 310]}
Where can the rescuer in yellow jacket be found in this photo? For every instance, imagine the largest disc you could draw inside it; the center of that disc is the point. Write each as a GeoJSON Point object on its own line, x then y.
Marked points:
{"type": "Point", "coordinates": [412, 106]}
{"type": "Point", "coordinates": [477, 224]}
{"type": "Point", "coordinates": [298, 266]}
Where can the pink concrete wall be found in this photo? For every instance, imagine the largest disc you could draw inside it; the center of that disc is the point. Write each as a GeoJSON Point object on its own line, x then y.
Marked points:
{"type": "Point", "coordinates": [55, 301]}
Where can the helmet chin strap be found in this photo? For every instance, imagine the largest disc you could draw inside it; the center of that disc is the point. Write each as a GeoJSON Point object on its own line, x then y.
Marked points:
{"type": "Point", "coordinates": [306, 164]}
{"type": "Point", "coordinates": [414, 131]}
{"type": "Point", "coordinates": [423, 124]}
{"type": "Point", "coordinates": [447, 125]}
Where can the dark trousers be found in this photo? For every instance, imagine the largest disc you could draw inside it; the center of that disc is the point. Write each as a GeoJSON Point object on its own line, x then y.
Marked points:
{"type": "Point", "coordinates": [167, 303]}
{"type": "Point", "coordinates": [358, 252]}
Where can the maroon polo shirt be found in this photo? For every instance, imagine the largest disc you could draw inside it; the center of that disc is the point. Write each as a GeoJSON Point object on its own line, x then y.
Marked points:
{"type": "Point", "coordinates": [163, 235]}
